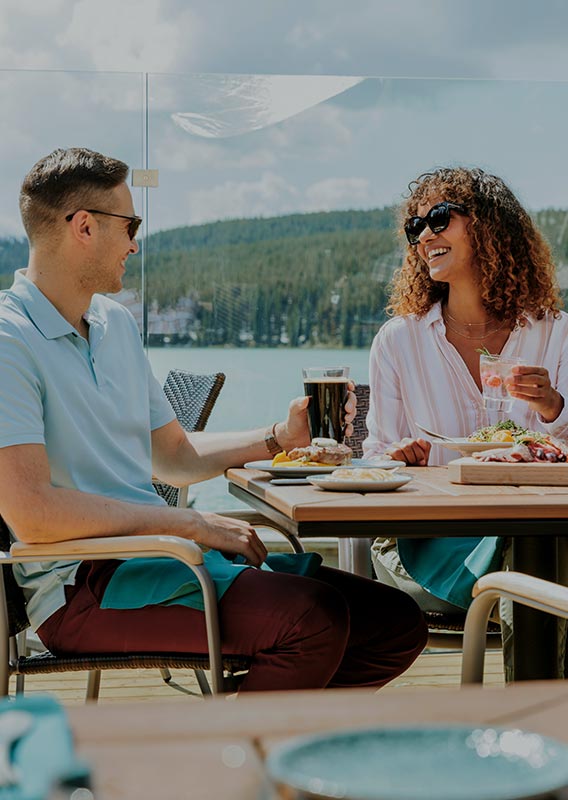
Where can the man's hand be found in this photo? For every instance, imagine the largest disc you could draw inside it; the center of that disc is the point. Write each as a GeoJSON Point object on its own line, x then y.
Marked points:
{"type": "Point", "coordinates": [295, 432]}
{"type": "Point", "coordinates": [415, 452]}
{"type": "Point", "coordinates": [532, 384]}
{"type": "Point", "coordinates": [231, 536]}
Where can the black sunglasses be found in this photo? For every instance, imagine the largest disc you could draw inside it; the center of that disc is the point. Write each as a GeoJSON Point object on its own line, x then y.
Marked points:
{"type": "Point", "coordinates": [437, 219]}
{"type": "Point", "coordinates": [133, 225]}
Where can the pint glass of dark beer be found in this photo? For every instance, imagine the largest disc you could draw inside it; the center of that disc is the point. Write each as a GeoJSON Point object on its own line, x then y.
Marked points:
{"type": "Point", "coordinates": [327, 390]}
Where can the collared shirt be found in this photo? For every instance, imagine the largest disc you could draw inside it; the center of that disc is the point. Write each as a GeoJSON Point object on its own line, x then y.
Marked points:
{"type": "Point", "coordinates": [417, 375]}
{"type": "Point", "coordinates": [93, 404]}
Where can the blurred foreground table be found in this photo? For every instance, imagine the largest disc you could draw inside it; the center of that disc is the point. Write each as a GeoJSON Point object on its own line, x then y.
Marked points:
{"type": "Point", "coordinates": [215, 749]}
{"type": "Point", "coordinates": [431, 506]}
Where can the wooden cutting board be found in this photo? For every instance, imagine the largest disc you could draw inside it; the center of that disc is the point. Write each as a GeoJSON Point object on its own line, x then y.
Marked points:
{"type": "Point", "coordinates": [469, 470]}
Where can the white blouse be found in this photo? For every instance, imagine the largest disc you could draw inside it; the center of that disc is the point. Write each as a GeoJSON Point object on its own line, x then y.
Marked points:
{"type": "Point", "coordinates": [416, 375]}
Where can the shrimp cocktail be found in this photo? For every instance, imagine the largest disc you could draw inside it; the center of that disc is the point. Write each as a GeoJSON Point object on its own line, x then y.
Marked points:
{"type": "Point", "coordinates": [496, 373]}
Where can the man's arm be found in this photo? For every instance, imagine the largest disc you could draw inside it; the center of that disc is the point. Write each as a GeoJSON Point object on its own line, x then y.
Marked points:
{"type": "Point", "coordinates": [39, 512]}
{"type": "Point", "coordinates": [179, 458]}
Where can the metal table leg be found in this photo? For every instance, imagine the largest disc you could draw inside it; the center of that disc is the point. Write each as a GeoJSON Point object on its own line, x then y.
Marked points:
{"type": "Point", "coordinates": [344, 554]}
{"type": "Point", "coordinates": [535, 647]}
{"type": "Point", "coordinates": [361, 557]}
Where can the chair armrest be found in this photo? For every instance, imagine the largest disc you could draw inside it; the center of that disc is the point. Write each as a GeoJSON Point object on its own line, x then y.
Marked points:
{"type": "Point", "coordinates": [526, 589]}
{"type": "Point", "coordinates": [516, 586]}
{"type": "Point", "coordinates": [110, 547]}
{"type": "Point", "coordinates": [132, 547]}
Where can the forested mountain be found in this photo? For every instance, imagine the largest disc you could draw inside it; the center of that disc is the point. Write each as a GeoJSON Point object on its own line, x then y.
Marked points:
{"type": "Point", "coordinates": [302, 279]}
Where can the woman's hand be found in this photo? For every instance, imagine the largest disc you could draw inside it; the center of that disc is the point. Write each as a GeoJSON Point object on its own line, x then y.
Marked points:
{"type": "Point", "coordinates": [532, 384]}
{"type": "Point", "coordinates": [415, 452]}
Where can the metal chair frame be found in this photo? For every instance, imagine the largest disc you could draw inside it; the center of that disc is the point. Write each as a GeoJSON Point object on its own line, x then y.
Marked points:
{"type": "Point", "coordinates": [516, 586]}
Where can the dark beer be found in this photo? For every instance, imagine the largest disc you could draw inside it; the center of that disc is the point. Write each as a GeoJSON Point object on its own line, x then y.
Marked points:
{"type": "Point", "coordinates": [326, 407]}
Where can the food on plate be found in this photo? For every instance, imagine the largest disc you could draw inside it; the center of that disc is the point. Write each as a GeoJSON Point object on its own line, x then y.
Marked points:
{"type": "Point", "coordinates": [505, 431]}
{"type": "Point", "coordinates": [530, 447]}
{"type": "Point", "coordinates": [320, 453]}
{"type": "Point", "coordinates": [364, 474]}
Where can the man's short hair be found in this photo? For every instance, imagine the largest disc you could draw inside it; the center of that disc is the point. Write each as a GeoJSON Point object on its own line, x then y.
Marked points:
{"type": "Point", "coordinates": [63, 182]}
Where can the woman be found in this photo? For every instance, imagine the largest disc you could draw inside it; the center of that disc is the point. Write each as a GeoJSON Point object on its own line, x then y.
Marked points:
{"type": "Point", "coordinates": [477, 274]}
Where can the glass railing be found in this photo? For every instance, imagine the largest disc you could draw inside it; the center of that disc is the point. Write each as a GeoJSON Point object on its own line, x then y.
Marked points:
{"type": "Point", "coordinates": [270, 240]}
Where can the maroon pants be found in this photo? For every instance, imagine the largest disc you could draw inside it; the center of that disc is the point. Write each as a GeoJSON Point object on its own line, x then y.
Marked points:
{"type": "Point", "coordinates": [334, 629]}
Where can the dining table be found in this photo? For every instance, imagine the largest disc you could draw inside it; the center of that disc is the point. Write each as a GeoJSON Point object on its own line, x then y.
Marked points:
{"type": "Point", "coordinates": [217, 747]}
{"type": "Point", "coordinates": [432, 506]}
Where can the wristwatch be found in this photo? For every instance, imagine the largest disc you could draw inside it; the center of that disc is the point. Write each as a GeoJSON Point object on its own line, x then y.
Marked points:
{"type": "Point", "coordinates": [271, 442]}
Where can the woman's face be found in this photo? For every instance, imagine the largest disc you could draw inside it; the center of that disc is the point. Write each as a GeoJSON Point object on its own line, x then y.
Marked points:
{"type": "Point", "coordinates": [448, 254]}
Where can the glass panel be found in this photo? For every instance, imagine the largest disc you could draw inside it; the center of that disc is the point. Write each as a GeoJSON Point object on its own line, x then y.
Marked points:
{"type": "Point", "coordinates": [273, 232]}
{"type": "Point", "coordinates": [45, 110]}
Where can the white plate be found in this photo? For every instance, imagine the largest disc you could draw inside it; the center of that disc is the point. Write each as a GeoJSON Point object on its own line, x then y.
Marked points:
{"type": "Point", "coordinates": [282, 471]}
{"type": "Point", "coordinates": [345, 485]}
{"type": "Point", "coordinates": [467, 448]}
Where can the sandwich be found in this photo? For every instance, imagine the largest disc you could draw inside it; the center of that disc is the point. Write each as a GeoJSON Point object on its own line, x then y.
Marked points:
{"type": "Point", "coordinates": [320, 453]}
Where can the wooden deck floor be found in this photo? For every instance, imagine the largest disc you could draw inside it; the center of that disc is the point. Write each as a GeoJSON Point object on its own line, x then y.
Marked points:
{"type": "Point", "coordinates": [121, 686]}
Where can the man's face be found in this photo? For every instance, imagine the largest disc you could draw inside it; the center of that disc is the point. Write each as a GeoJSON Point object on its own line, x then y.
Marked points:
{"type": "Point", "coordinates": [112, 246]}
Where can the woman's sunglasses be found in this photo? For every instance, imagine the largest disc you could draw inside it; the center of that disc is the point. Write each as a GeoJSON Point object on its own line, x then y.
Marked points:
{"type": "Point", "coordinates": [133, 222]}
{"type": "Point", "coordinates": [437, 219]}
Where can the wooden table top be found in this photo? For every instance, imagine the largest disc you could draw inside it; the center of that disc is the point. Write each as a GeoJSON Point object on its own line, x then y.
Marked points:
{"type": "Point", "coordinates": [430, 496]}
{"type": "Point", "coordinates": [216, 748]}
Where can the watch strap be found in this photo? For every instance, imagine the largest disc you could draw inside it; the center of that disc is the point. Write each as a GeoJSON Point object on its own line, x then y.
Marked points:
{"type": "Point", "coordinates": [271, 441]}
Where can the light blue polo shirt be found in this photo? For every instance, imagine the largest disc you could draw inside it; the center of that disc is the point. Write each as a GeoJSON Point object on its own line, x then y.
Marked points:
{"type": "Point", "coordinates": [92, 404]}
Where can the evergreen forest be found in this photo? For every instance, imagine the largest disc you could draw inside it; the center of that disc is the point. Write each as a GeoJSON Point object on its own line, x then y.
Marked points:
{"type": "Point", "coordinates": [318, 279]}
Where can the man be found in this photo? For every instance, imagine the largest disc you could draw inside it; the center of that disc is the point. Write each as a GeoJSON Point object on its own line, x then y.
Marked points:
{"type": "Point", "coordinates": [84, 425]}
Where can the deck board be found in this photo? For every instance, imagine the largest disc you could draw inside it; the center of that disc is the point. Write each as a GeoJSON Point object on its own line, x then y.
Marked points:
{"type": "Point", "coordinates": [438, 670]}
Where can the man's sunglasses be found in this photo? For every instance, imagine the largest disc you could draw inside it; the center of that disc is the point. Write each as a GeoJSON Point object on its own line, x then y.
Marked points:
{"type": "Point", "coordinates": [437, 219]}
{"type": "Point", "coordinates": [133, 224]}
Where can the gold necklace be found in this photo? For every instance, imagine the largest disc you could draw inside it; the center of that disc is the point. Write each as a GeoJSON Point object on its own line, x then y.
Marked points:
{"type": "Point", "coordinates": [465, 324]}
{"type": "Point", "coordinates": [474, 337]}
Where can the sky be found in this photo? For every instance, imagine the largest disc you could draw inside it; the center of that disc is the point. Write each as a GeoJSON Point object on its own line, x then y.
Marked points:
{"type": "Point", "coordinates": [424, 83]}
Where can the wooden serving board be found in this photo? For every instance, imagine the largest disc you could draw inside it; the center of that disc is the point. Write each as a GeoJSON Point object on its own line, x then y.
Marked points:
{"type": "Point", "coordinates": [469, 470]}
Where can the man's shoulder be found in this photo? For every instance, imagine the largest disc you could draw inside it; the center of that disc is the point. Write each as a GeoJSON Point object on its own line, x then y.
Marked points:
{"type": "Point", "coordinates": [12, 313]}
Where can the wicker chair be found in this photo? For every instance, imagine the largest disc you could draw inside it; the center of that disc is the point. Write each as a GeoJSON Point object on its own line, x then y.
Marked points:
{"type": "Point", "coordinates": [446, 629]}
{"type": "Point", "coordinates": [192, 397]}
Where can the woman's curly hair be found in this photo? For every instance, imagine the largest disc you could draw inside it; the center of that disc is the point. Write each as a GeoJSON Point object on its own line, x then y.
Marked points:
{"type": "Point", "coordinates": [516, 271]}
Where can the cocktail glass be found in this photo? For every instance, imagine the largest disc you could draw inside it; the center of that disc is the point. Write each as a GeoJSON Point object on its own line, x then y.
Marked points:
{"type": "Point", "coordinates": [495, 372]}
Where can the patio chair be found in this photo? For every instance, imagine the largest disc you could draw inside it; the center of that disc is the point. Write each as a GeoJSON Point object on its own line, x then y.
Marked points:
{"type": "Point", "coordinates": [445, 629]}
{"type": "Point", "coordinates": [516, 586]}
{"type": "Point", "coordinates": [192, 397]}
